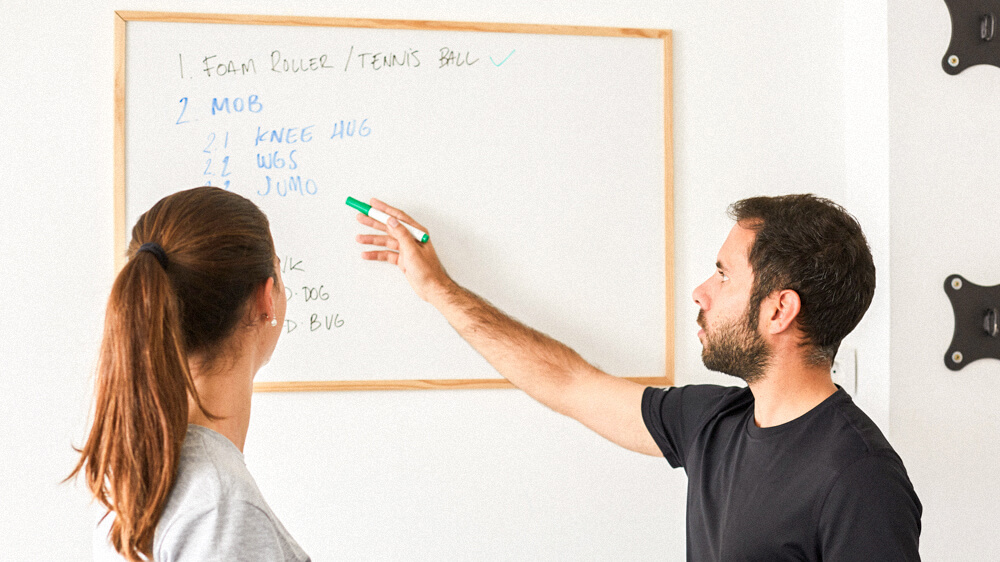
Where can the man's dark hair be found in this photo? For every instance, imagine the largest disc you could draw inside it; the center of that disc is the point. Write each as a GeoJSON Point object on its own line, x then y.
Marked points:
{"type": "Point", "coordinates": [814, 247]}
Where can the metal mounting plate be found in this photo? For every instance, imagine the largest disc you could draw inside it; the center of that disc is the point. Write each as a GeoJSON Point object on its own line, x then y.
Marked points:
{"type": "Point", "coordinates": [977, 333]}
{"type": "Point", "coordinates": [975, 34]}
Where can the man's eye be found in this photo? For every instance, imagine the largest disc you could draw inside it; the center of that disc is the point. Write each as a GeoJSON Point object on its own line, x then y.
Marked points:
{"type": "Point", "coordinates": [723, 275]}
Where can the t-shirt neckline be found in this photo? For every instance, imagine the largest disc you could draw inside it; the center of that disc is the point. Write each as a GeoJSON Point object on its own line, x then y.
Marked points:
{"type": "Point", "coordinates": [215, 436]}
{"type": "Point", "coordinates": [768, 432]}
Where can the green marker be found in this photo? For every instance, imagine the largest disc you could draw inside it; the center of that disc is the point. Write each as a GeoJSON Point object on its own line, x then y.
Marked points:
{"type": "Point", "coordinates": [383, 218]}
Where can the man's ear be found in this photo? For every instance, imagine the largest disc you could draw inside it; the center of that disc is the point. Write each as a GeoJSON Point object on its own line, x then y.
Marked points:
{"type": "Point", "coordinates": [780, 310]}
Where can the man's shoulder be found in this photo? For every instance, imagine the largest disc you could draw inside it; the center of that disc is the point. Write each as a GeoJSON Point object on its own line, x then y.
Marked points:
{"type": "Point", "coordinates": [714, 400]}
{"type": "Point", "coordinates": [844, 443]}
{"type": "Point", "coordinates": [696, 403]}
{"type": "Point", "coordinates": [870, 510]}
{"type": "Point", "coordinates": [707, 394]}
{"type": "Point", "coordinates": [857, 428]}
{"type": "Point", "coordinates": [676, 416]}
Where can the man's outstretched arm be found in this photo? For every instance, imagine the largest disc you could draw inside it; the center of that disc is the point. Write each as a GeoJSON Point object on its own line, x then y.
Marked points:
{"type": "Point", "coordinates": [547, 370]}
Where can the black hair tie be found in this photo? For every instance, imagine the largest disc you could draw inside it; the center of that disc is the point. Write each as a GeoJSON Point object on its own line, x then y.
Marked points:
{"type": "Point", "coordinates": [158, 252]}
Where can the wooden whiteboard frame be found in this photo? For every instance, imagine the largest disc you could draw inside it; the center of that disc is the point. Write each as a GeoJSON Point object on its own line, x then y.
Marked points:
{"type": "Point", "coordinates": [123, 17]}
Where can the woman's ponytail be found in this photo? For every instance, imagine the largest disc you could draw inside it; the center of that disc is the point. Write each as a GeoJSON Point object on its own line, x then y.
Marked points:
{"type": "Point", "coordinates": [143, 381]}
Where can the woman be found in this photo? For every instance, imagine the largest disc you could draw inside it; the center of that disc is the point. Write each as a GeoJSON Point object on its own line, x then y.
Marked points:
{"type": "Point", "coordinates": [193, 315]}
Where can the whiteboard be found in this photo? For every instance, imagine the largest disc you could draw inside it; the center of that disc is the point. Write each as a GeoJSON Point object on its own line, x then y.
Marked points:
{"type": "Point", "coordinates": [538, 157]}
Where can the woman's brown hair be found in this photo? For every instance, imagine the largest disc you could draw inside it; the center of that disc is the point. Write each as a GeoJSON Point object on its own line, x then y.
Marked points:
{"type": "Point", "coordinates": [165, 305]}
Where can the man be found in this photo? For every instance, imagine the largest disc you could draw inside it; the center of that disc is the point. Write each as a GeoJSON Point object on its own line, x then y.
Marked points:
{"type": "Point", "coordinates": [788, 468]}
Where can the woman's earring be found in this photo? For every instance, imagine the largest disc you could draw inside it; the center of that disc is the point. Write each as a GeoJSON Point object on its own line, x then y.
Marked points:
{"type": "Point", "coordinates": [274, 321]}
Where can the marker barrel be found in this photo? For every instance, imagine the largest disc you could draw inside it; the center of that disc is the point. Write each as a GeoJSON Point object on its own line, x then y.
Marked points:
{"type": "Point", "coordinates": [383, 218]}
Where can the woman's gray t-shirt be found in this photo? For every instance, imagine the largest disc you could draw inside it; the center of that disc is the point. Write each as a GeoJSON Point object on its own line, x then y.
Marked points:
{"type": "Point", "coordinates": [215, 510]}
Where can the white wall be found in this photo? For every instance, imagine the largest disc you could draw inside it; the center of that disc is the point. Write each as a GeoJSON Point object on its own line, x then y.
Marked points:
{"type": "Point", "coordinates": [759, 94]}
{"type": "Point", "coordinates": [866, 188]}
{"type": "Point", "coordinates": [944, 197]}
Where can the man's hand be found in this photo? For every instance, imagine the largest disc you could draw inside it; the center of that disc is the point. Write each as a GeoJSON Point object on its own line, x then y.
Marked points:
{"type": "Point", "coordinates": [418, 261]}
{"type": "Point", "coordinates": [547, 370]}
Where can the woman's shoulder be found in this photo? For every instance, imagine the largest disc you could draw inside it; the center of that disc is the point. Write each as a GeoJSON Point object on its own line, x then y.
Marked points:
{"type": "Point", "coordinates": [211, 469]}
{"type": "Point", "coordinates": [233, 529]}
{"type": "Point", "coordinates": [211, 477]}
{"type": "Point", "coordinates": [214, 501]}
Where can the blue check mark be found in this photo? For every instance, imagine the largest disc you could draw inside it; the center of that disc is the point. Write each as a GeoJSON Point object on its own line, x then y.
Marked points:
{"type": "Point", "coordinates": [495, 63]}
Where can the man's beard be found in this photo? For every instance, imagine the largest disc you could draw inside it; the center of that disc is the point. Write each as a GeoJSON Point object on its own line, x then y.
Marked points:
{"type": "Point", "coordinates": [735, 348]}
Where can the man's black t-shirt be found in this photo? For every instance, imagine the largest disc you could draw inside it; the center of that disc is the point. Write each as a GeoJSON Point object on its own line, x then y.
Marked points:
{"type": "Point", "coordinates": [825, 486]}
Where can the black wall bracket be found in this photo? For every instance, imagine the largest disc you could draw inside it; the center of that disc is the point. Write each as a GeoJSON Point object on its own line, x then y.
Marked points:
{"type": "Point", "coordinates": [977, 322]}
{"type": "Point", "coordinates": [975, 34]}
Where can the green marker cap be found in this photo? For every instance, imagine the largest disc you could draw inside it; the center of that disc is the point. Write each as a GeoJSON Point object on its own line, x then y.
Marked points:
{"type": "Point", "coordinates": [361, 207]}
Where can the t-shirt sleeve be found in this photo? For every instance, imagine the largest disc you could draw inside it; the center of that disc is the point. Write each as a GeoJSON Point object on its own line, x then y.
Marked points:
{"type": "Point", "coordinates": [673, 416]}
{"type": "Point", "coordinates": [237, 531]}
{"type": "Point", "coordinates": [871, 513]}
